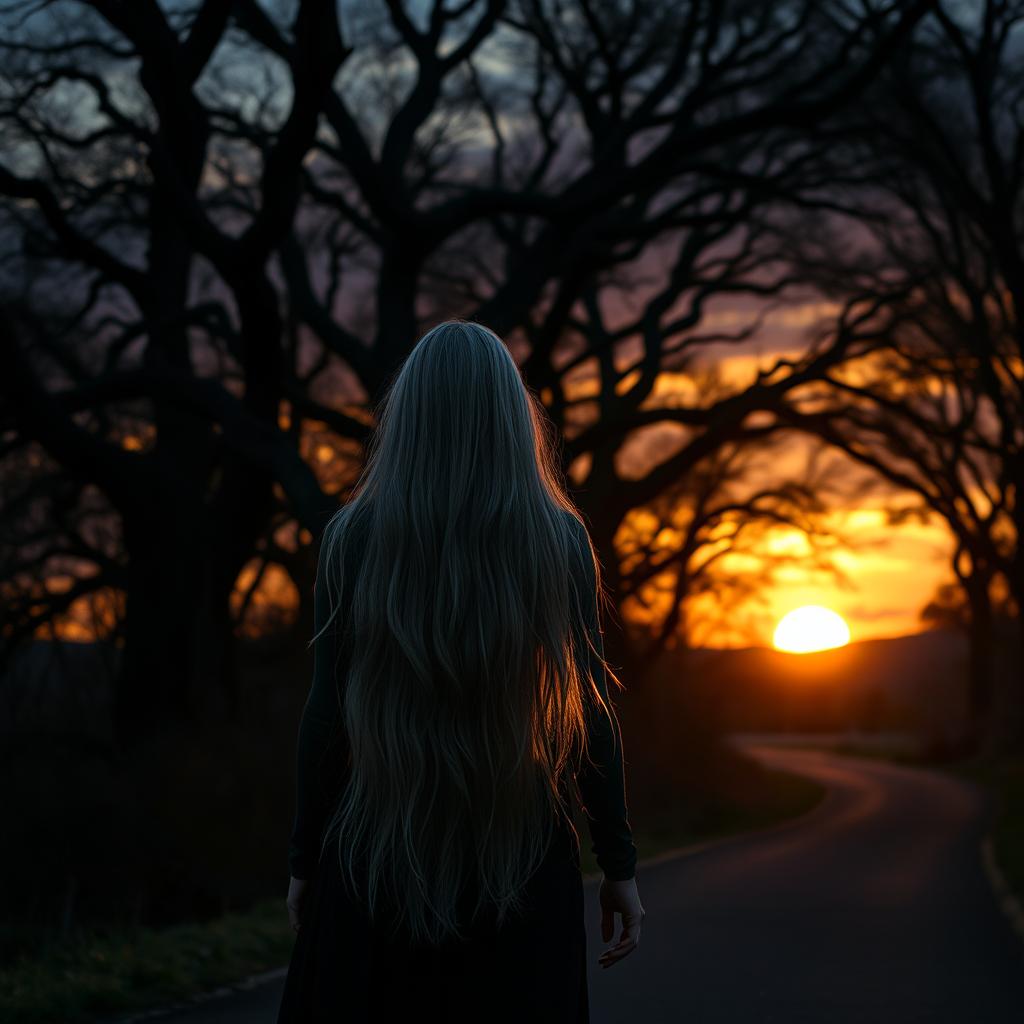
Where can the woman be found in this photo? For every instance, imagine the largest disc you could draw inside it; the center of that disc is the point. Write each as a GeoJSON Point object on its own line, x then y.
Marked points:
{"type": "Point", "coordinates": [459, 688]}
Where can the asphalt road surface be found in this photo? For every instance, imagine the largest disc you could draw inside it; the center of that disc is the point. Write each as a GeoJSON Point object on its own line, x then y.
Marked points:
{"type": "Point", "coordinates": [874, 908]}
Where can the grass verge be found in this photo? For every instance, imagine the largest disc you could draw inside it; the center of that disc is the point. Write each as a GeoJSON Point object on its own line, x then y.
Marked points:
{"type": "Point", "coordinates": [1005, 781]}
{"type": "Point", "coordinates": [101, 973]}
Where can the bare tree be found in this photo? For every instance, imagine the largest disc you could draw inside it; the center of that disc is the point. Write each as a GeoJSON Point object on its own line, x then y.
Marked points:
{"type": "Point", "coordinates": [232, 221]}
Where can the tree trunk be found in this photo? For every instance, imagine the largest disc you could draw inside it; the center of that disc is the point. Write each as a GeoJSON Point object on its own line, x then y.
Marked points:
{"type": "Point", "coordinates": [177, 654]}
{"type": "Point", "coordinates": [980, 639]}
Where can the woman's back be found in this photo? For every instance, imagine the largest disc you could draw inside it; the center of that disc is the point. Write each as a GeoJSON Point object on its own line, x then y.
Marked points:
{"type": "Point", "coordinates": [537, 962]}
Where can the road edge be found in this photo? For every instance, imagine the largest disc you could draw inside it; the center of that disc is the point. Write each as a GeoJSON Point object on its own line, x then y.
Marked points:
{"type": "Point", "coordinates": [1006, 898]}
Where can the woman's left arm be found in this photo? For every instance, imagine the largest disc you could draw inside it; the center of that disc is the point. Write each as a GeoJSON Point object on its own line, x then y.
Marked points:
{"type": "Point", "coordinates": [322, 751]}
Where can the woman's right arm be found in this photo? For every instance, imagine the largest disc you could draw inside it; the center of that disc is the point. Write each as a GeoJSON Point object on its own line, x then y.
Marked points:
{"type": "Point", "coordinates": [601, 777]}
{"type": "Point", "coordinates": [601, 782]}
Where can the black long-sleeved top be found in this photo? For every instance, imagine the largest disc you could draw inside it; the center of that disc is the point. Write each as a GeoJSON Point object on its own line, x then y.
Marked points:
{"type": "Point", "coordinates": [323, 751]}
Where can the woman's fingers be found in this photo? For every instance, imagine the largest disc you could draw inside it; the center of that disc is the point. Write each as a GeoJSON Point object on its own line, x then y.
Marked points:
{"type": "Point", "coordinates": [617, 953]}
{"type": "Point", "coordinates": [628, 942]}
{"type": "Point", "coordinates": [296, 891]}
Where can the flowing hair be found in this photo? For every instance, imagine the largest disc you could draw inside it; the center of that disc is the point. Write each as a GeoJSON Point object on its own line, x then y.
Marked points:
{"type": "Point", "coordinates": [470, 662]}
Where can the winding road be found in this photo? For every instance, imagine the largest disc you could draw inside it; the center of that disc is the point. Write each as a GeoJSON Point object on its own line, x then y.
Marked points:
{"type": "Point", "coordinates": [873, 908]}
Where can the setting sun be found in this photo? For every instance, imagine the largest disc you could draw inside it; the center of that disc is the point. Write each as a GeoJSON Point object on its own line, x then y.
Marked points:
{"type": "Point", "coordinates": [811, 628]}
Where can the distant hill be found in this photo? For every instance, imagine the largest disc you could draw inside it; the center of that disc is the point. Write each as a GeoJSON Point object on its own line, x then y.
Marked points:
{"type": "Point", "coordinates": [916, 682]}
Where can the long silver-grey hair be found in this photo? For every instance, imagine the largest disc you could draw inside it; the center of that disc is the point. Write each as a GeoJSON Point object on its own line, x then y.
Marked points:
{"type": "Point", "coordinates": [470, 663]}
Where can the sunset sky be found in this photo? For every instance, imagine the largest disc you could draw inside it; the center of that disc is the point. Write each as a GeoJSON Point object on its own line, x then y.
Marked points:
{"type": "Point", "coordinates": [897, 569]}
{"type": "Point", "coordinates": [900, 567]}
{"type": "Point", "coordinates": [894, 578]}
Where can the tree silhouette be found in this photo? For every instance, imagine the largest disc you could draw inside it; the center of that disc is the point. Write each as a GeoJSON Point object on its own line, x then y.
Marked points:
{"type": "Point", "coordinates": [931, 171]}
{"type": "Point", "coordinates": [228, 222]}
{"type": "Point", "coordinates": [713, 544]}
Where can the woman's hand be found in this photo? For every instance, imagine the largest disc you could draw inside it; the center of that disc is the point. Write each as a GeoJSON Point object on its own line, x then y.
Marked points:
{"type": "Point", "coordinates": [296, 892]}
{"type": "Point", "coordinates": [620, 898]}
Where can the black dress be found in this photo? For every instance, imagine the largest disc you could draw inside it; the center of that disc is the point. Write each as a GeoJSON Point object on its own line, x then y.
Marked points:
{"type": "Point", "coordinates": [532, 968]}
